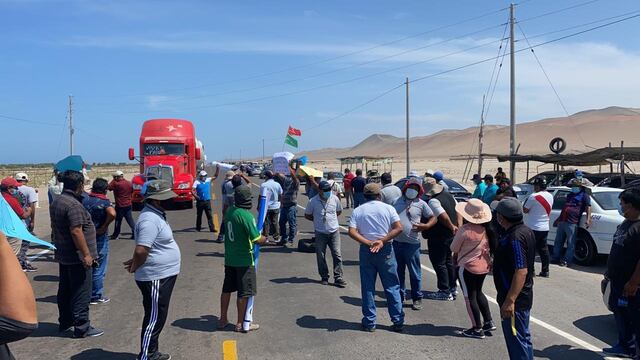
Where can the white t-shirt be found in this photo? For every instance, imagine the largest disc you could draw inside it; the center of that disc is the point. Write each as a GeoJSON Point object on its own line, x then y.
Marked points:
{"type": "Point", "coordinates": [275, 191]}
{"type": "Point", "coordinates": [373, 219]}
{"type": "Point", "coordinates": [537, 218]}
{"type": "Point", "coordinates": [436, 207]}
{"type": "Point", "coordinates": [29, 194]}
{"type": "Point", "coordinates": [325, 214]}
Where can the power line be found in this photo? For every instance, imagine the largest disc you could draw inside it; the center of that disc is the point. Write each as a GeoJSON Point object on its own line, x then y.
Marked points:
{"type": "Point", "coordinates": [28, 121]}
{"type": "Point", "coordinates": [559, 10]}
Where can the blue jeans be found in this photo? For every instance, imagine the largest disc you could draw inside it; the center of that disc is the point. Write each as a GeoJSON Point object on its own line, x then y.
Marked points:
{"type": "Point", "coordinates": [566, 232]}
{"type": "Point", "coordinates": [358, 199]}
{"type": "Point", "coordinates": [384, 264]}
{"type": "Point", "coordinates": [97, 289]}
{"type": "Point", "coordinates": [288, 215]}
{"type": "Point", "coordinates": [408, 255]}
{"type": "Point", "coordinates": [518, 346]}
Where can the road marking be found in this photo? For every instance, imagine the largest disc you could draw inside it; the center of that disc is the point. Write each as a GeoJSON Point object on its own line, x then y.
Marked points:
{"type": "Point", "coordinates": [37, 255]}
{"type": "Point", "coordinates": [229, 350]}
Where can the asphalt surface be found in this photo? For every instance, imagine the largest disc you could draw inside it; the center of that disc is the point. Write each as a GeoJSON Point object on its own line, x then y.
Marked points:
{"type": "Point", "coordinates": [300, 318]}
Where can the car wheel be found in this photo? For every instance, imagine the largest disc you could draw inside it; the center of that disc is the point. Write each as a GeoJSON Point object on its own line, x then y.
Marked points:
{"type": "Point", "coordinates": [585, 252]}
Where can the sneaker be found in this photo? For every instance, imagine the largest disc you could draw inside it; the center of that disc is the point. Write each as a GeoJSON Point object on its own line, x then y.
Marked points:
{"type": "Point", "coordinates": [397, 328]}
{"type": "Point", "coordinates": [473, 333]}
{"type": "Point", "coordinates": [563, 264]}
{"type": "Point", "coordinates": [489, 326]}
{"type": "Point", "coordinates": [417, 304]}
{"type": "Point", "coordinates": [544, 274]}
{"type": "Point", "coordinates": [438, 295]}
{"type": "Point", "coordinates": [252, 327]}
{"type": "Point", "coordinates": [324, 282]}
{"type": "Point", "coordinates": [29, 268]}
{"type": "Point", "coordinates": [368, 328]}
{"type": "Point", "coordinates": [619, 350]}
{"type": "Point", "coordinates": [341, 283]}
{"type": "Point", "coordinates": [160, 356]}
{"type": "Point", "coordinates": [99, 301]}
{"type": "Point", "coordinates": [454, 293]}
{"type": "Point", "coordinates": [92, 332]}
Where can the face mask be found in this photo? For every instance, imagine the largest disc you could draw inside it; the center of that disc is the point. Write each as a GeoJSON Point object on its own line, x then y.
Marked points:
{"type": "Point", "coordinates": [575, 190]}
{"type": "Point", "coordinates": [411, 194]}
{"type": "Point", "coordinates": [13, 191]}
{"type": "Point", "coordinates": [327, 194]}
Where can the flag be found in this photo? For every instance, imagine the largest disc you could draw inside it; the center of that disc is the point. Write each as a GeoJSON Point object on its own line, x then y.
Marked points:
{"type": "Point", "coordinates": [11, 225]}
{"type": "Point", "coordinates": [294, 132]}
{"type": "Point", "coordinates": [291, 141]}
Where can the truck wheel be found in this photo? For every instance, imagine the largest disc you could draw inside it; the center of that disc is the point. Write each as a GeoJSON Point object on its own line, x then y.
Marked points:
{"type": "Point", "coordinates": [586, 252]}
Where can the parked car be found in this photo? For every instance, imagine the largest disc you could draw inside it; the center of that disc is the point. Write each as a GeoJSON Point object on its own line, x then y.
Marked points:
{"type": "Point", "coordinates": [605, 219]}
{"type": "Point", "coordinates": [615, 180]}
{"type": "Point", "coordinates": [256, 170]}
{"type": "Point", "coordinates": [552, 176]}
{"type": "Point", "coordinates": [459, 192]}
{"type": "Point", "coordinates": [337, 176]}
{"type": "Point", "coordinates": [265, 168]}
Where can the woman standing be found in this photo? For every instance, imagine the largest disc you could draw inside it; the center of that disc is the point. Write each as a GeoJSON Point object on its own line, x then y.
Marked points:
{"type": "Point", "coordinates": [472, 252]}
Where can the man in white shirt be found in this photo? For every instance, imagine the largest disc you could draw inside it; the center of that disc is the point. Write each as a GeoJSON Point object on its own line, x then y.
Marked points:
{"type": "Point", "coordinates": [374, 225]}
{"type": "Point", "coordinates": [389, 193]}
{"type": "Point", "coordinates": [537, 208]}
{"type": "Point", "coordinates": [273, 207]}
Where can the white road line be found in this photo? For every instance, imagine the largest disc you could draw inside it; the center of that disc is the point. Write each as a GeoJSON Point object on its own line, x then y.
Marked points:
{"type": "Point", "coordinates": [37, 255]}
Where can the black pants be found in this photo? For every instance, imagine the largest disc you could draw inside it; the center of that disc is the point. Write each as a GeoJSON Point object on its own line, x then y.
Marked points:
{"type": "Point", "coordinates": [123, 212]}
{"type": "Point", "coordinates": [74, 295]}
{"type": "Point", "coordinates": [204, 205]}
{"type": "Point", "coordinates": [271, 224]}
{"type": "Point", "coordinates": [542, 248]}
{"type": "Point", "coordinates": [440, 256]}
{"type": "Point", "coordinates": [156, 296]}
{"type": "Point", "coordinates": [472, 289]}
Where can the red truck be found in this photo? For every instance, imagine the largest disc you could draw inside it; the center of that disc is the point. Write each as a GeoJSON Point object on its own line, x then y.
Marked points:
{"type": "Point", "coordinates": [169, 151]}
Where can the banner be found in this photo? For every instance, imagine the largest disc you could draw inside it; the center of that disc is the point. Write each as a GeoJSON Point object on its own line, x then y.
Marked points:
{"type": "Point", "coordinates": [12, 226]}
{"type": "Point", "coordinates": [294, 132]}
{"type": "Point", "coordinates": [291, 141]}
{"type": "Point", "coordinates": [281, 162]}
{"type": "Point", "coordinates": [309, 171]}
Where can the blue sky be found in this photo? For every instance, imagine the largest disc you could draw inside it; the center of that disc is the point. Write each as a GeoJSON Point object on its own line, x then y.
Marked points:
{"type": "Point", "coordinates": [231, 66]}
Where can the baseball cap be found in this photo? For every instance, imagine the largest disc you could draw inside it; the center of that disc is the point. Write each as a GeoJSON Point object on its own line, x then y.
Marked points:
{"type": "Point", "coordinates": [324, 186]}
{"type": "Point", "coordinates": [488, 177]}
{"type": "Point", "coordinates": [203, 173]}
{"type": "Point", "coordinates": [158, 190]}
{"type": "Point", "coordinates": [118, 173]}
{"type": "Point", "coordinates": [510, 208]}
{"type": "Point", "coordinates": [372, 189]}
{"type": "Point", "coordinates": [9, 181]}
{"type": "Point", "coordinates": [438, 175]}
{"type": "Point", "coordinates": [21, 176]}
{"type": "Point", "coordinates": [385, 177]}
{"type": "Point", "coordinates": [476, 177]}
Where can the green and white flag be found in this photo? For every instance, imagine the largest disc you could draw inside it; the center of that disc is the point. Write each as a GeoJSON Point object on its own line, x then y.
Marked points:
{"type": "Point", "coordinates": [291, 141]}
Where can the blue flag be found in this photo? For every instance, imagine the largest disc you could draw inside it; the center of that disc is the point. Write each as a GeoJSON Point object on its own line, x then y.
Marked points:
{"type": "Point", "coordinates": [12, 226]}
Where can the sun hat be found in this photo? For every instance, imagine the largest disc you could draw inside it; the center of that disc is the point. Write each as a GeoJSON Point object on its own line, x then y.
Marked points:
{"type": "Point", "coordinates": [431, 187]}
{"type": "Point", "coordinates": [474, 211]}
{"type": "Point", "coordinates": [229, 175]}
{"type": "Point", "coordinates": [21, 176]}
{"type": "Point", "coordinates": [372, 189]}
{"type": "Point", "coordinates": [158, 190]}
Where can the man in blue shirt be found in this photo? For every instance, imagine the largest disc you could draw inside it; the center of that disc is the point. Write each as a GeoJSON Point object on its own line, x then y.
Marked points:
{"type": "Point", "coordinates": [490, 192]}
{"type": "Point", "coordinates": [357, 185]}
{"type": "Point", "coordinates": [201, 190]}
{"type": "Point", "coordinates": [480, 187]}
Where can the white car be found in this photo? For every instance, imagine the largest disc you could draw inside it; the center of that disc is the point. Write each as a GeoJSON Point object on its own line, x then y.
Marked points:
{"type": "Point", "coordinates": [605, 219]}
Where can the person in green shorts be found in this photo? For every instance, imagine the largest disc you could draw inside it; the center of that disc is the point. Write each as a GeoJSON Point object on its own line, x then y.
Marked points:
{"type": "Point", "coordinates": [239, 268]}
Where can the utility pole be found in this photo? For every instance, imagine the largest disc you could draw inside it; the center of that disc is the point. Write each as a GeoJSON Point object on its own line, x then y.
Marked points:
{"type": "Point", "coordinates": [263, 150]}
{"type": "Point", "coordinates": [408, 138]}
{"type": "Point", "coordinates": [512, 140]}
{"type": "Point", "coordinates": [71, 130]}
{"type": "Point", "coordinates": [480, 136]}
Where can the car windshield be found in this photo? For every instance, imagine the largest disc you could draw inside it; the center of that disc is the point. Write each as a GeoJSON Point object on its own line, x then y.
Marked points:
{"type": "Point", "coordinates": [164, 149]}
{"type": "Point", "coordinates": [454, 186]}
{"type": "Point", "coordinates": [607, 200]}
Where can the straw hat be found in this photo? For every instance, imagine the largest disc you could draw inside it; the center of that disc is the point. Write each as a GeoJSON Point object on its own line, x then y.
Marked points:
{"type": "Point", "coordinates": [474, 211]}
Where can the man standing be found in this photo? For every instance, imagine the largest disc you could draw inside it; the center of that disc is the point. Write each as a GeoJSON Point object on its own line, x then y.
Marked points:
{"type": "Point", "coordinates": [201, 191]}
{"type": "Point", "coordinates": [439, 239]}
{"type": "Point", "coordinates": [624, 274]}
{"type": "Point", "coordinates": [291, 185]}
{"type": "Point", "coordinates": [102, 214]}
{"type": "Point", "coordinates": [227, 199]}
{"type": "Point", "coordinates": [500, 175]}
{"type": "Point", "coordinates": [31, 199]}
{"type": "Point", "coordinates": [323, 210]}
{"type": "Point", "coordinates": [537, 208]}
{"type": "Point", "coordinates": [9, 190]}
{"type": "Point", "coordinates": [389, 193]}
{"type": "Point", "coordinates": [513, 273]}
{"type": "Point", "coordinates": [412, 211]}
{"type": "Point", "coordinates": [480, 186]}
{"type": "Point", "coordinates": [274, 195]}
{"type": "Point", "coordinates": [348, 190]}
{"type": "Point", "coordinates": [578, 201]}
{"type": "Point", "coordinates": [491, 190]}
{"type": "Point", "coordinates": [156, 264]}
{"type": "Point", "coordinates": [74, 236]}
{"type": "Point", "coordinates": [357, 186]}
{"type": "Point", "coordinates": [505, 189]}
{"type": "Point", "coordinates": [374, 225]}
{"type": "Point", "coordinates": [239, 265]}
{"type": "Point", "coordinates": [122, 190]}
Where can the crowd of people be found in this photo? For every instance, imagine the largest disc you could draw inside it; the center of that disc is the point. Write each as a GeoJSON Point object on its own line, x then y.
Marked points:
{"type": "Point", "coordinates": [492, 233]}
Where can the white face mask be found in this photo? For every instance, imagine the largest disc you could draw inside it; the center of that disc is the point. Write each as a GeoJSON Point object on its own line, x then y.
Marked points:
{"type": "Point", "coordinates": [411, 194]}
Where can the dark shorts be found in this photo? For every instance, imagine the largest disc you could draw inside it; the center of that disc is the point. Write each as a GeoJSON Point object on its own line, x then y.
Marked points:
{"type": "Point", "coordinates": [240, 279]}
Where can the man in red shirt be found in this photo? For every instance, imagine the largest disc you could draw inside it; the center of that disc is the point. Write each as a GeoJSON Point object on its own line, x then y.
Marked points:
{"type": "Point", "coordinates": [122, 190]}
{"type": "Point", "coordinates": [348, 190]}
{"type": "Point", "coordinates": [9, 190]}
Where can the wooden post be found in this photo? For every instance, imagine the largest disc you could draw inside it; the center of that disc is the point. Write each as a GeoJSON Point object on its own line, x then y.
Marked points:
{"type": "Point", "coordinates": [622, 163]}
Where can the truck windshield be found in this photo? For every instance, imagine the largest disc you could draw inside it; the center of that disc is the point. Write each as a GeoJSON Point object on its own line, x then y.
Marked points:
{"type": "Point", "coordinates": [164, 149]}
{"type": "Point", "coordinates": [607, 200]}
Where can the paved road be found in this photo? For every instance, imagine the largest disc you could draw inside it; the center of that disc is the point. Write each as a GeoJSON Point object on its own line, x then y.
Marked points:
{"type": "Point", "coordinates": [302, 319]}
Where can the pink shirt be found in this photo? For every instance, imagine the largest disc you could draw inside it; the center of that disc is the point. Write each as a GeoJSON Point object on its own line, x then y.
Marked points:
{"type": "Point", "coordinates": [472, 246]}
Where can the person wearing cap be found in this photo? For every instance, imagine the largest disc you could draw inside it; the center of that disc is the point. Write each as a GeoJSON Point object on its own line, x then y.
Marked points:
{"type": "Point", "coordinates": [357, 185]}
{"type": "Point", "coordinates": [439, 238]}
{"type": "Point", "coordinates": [201, 191]}
{"type": "Point", "coordinates": [439, 176]}
{"type": "Point", "coordinates": [374, 225]}
{"type": "Point", "coordinates": [389, 193]}
{"type": "Point", "coordinates": [155, 265]}
{"type": "Point", "coordinates": [490, 191]}
{"type": "Point", "coordinates": [239, 263]}
{"type": "Point", "coordinates": [122, 190]}
{"type": "Point", "coordinates": [505, 189]}
{"type": "Point", "coordinates": [9, 189]}
{"type": "Point", "coordinates": [513, 272]}
{"type": "Point", "coordinates": [428, 173]}
{"type": "Point", "coordinates": [336, 188]}
{"type": "Point", "coordinates": [415, 217]}
{"type": "Point", "coordinates": [578, 202]}
{"type": "Point", "coordinates": [500, 175]}
{"type": "Point", "coordinates": [102, 214]}
{"type": "Point", "coordinates": [231, 181]}
{"type": "Point", "coordinates": [323, 210]}
{"type": "Point", "coordinates": [472, 253]}
{"type": "Point", "coordinates": [74, 235]}
{"type": "Point", "coordinates": [28, 199]}
{"type": "Point", "coordinates": [274, 195]}
{"type": "Point", "coordinates": [480, 187]}
{"type": "Point", "coordinates": [537, 209]}
{"type": "Point", "coordinates": [288, 212]}
{"type": "Point", "coordinates": [348, 190]}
